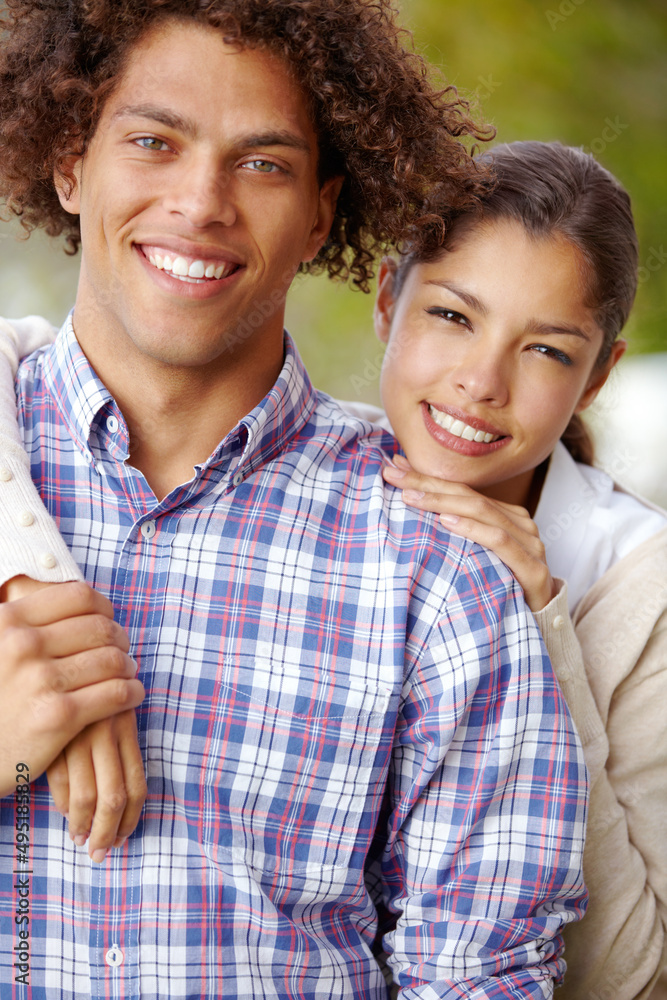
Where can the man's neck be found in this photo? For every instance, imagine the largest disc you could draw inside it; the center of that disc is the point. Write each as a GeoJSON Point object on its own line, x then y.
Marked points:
{"type": "Point", "coordinates": [177, 416]}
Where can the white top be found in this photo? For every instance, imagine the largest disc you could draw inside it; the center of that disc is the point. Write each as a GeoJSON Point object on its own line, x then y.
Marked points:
{"type": "Point", "coordinates": [587, 524]}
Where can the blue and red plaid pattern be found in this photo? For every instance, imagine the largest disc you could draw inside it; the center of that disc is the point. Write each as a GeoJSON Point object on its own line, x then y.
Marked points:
{"type": "Point", "coordinates": [346, 707]}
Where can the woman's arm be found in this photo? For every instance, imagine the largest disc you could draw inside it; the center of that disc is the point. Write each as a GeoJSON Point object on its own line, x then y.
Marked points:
{"type": "Point", "coordinates": [32, 545]}
{"type": "Point", "coordinates": [621, 625]}
{"type": "Point", "coordinates": [104, 800]}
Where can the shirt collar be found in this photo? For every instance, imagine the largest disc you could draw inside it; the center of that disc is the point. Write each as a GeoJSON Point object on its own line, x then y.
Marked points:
{"type": "Point", "coordinates": [86, 406]}
{"type": "Point", "coordinates": [569, 497]}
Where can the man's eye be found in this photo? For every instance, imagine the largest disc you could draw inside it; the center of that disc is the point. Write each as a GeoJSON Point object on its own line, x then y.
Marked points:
{"type": "Point", "coordinates": [262, 166]}
{"type": "Point", "coordinates": [150, 142]}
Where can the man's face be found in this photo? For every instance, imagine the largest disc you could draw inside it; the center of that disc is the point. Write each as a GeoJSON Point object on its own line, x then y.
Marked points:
{"type": "Point", "coordinates": [199, 197]}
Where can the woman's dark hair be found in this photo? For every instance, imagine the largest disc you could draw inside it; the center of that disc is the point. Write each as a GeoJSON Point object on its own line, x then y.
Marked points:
{"type": "Point", "coordinates": [380, 119]}
{"type": "Point", "coordinates": [555, 190]}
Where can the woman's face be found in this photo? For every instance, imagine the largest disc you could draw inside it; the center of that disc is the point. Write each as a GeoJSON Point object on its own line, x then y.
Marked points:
{"type": "Point", "coordinates": [490, 351]}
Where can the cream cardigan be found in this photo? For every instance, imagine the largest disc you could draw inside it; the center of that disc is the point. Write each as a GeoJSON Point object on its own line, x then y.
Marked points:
{"type": "Point", "coordinates": [611, 661]}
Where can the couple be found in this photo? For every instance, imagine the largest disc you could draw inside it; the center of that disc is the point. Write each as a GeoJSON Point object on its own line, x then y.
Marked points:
{"type": "Point", "coordinates": [350, 727]}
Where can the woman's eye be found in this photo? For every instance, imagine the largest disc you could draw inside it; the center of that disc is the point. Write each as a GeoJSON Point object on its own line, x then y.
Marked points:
{"type": "Point", "coordinates": [449, 315]}
{"type": "Point", "coordinates": [552, 352]}
{"type": "Point", "coordinates": [152, 143]}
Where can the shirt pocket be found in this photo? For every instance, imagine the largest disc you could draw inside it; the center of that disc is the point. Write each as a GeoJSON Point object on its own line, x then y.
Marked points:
{"type": "Point", "coordinates": [295, 766]}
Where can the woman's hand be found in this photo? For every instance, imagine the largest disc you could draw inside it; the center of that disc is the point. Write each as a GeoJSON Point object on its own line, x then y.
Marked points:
{"type": "Point", "coordinates": [64, 665]}
{"type": "Point", "coordinates": [506, 529]}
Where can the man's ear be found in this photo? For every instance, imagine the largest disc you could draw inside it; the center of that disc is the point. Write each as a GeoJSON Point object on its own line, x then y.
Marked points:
{"type": "Point", "coordinates": [600, 375]}
{"type": "Point", "coordinates": [326, 210]}
{"type": "Point", "coordinates": [67, 181]}
{"type": "Point", "coordinates": [383, 312]}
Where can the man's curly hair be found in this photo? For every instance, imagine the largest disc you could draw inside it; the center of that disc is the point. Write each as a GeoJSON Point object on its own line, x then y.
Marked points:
{"type": "Point", "coordinates": [380, 119]}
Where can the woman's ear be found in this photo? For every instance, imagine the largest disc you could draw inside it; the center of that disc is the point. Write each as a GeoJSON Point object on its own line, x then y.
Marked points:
{"type": "Point", "coordinates": [383, 311]}
{"type": "Point", "coordinates": [600, 375]}
{"type": "Point", "coordinates": [67, 181]}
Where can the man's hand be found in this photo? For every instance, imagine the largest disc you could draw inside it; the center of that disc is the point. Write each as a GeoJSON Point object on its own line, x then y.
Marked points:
{"type": "Point", "coordinates": [63, 666]}
{"type": "Point", "coordinates": [98, 782]}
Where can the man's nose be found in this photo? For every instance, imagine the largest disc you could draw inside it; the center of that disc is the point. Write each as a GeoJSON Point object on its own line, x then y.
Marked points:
{"type": "Point", "coordinates": [203, 194]}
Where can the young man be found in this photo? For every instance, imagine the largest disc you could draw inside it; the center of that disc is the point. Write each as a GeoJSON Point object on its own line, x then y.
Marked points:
{"type": "Point", "coordinates": [347, 712]}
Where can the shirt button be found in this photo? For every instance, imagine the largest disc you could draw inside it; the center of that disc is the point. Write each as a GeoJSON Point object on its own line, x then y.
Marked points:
{"type": "Point", "coordinates": [48, 560]}
{"type": "Point", "coordinates": [148, 529]}
{"type": "Point", "coordinates": [112, 424]}
{"type": "Point", "coordinates": [114, 956]}
{"type": "Point", "coordinates": [5, 475]}
{"type": "Point", "coordinates": [238, 479]}
{"type": "Point", "coordinates": [26, 518]}
{"type": "Point", "coordinates": [558, 622]}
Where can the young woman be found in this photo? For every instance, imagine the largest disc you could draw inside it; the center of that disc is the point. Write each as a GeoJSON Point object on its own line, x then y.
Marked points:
{"type": "Point", "coordinates": [496, 342]}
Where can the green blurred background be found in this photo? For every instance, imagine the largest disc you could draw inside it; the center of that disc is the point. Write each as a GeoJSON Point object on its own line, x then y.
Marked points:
{"type": "Point", "coordinates": [587, 72]}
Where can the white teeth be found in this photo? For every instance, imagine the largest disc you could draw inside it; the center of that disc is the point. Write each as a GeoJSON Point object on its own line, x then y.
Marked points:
{"type": "Point", "coordinates": [180, 268]}
{"type": "Point", "coordinates": [459, 429]}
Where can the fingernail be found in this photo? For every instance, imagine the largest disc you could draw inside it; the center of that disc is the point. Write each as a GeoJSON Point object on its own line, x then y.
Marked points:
{"type": "Point", "coordinates": [391, 470]}
{"type": "Point", "coordinates": [119, 842]}
{"type": "Point", "coordinates": [99, 855]}
{"type": "Point", "coordinates": [449, 519]}
{"type": "Point", "coordinates": [136, 666]}
{"type": "Point", "coordinates": [402, 461]}
{"type": "Point", "coordinates": [80, 839]}
{"type": "Point", "coordinates": [412, 495]}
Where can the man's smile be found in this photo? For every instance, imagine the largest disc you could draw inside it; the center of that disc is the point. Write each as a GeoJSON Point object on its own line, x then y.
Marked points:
{"type": "Point", "coordinates": [188, 267]}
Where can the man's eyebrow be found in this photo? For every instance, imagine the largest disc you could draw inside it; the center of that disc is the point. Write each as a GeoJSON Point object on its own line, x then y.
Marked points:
{"type": "Point", "coordinates": [276, 137]}
{"type": "Point", "coordinates": [470, 300]}
{"type": "Point", "coordinates": [270, 137]}
{"type": "Point", "coordinates": [156, 114]}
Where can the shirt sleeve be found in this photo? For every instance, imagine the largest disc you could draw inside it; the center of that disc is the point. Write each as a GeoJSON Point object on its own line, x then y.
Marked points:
{"type": "Point", "coordinates": [32, 544]}
{"type": "Point", "coordinates": [482, 857]}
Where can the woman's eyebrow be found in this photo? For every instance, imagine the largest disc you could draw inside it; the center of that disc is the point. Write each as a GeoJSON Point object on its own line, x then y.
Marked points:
{"type": "Point", "coordinates": [566, 329]}
{"type": "Point", "coordinates": [470, 300]}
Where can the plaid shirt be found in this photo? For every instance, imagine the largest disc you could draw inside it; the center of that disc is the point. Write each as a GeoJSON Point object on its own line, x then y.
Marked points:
{"type": "Point", "coordinates": [348, 713]}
